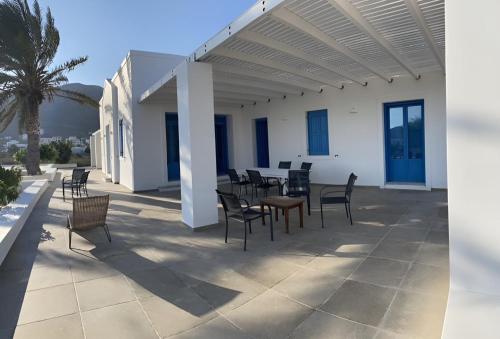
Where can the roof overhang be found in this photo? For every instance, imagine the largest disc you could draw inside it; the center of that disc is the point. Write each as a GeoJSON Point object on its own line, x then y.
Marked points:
{"type": "Point", "coordinates": [288, 47]}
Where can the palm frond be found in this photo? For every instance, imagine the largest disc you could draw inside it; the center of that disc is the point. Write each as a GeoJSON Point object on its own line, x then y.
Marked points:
{"type": "Point", "coordinates": [76, 96]}
{"type": "Point", "coordinates": [7, 113]}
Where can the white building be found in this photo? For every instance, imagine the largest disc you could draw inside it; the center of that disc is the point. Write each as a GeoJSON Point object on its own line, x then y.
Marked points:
{"type": "Point", "coordinates": [347, 85]}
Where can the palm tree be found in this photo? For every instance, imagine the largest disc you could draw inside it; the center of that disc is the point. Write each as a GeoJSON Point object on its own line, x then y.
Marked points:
{"type": "Point", "coordinates": [28, 44]}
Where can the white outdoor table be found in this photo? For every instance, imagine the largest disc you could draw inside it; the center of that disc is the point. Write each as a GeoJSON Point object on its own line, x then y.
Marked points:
{"type": "Point", "coordinates": [277, 173]}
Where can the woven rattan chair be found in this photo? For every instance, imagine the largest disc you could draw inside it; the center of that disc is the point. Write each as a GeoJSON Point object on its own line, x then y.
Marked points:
{"type": "Point", "coordinates": [72, 182]}
{"type": "Point", "coordinates": [89, 213]}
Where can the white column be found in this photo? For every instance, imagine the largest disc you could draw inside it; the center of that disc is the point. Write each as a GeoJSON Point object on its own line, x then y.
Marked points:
{"type": "Point", "coordinates": [195, 100]}
{"type": "Point", "coordinates": [473, 124]}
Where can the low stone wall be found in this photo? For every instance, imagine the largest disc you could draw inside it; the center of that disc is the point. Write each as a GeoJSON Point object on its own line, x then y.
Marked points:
{"type": "Point", "coordinates": [14, 215]}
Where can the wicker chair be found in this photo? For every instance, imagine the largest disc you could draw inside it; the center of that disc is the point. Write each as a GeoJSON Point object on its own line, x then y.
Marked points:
{"type": "Point", "coordinates": [89, 213]}
{"type": "Point", "coordinates": [329, 196]}
{"type": "Point", "coordinates": [299, 186]}
{"type": "Point", "coordinates": [72, 182]}
{"type": "Point", "coordinates": [236, 180]}
{"type": "Point", "coordinates": [285, 165]}
{"type": "Point", "coordinates": [306, 166]}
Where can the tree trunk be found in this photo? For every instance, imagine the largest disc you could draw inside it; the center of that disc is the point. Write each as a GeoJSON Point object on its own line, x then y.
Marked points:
{"type": "Point", "coordinates": [32, 128]}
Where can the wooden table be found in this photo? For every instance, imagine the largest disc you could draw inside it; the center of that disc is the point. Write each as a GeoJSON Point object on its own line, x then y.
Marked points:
{"type": "Point", "coordinates": [285, 204]}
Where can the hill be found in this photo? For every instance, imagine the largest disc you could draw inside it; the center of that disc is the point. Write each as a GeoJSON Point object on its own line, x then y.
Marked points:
{"type": "Point", "coordinates": [63, 117]}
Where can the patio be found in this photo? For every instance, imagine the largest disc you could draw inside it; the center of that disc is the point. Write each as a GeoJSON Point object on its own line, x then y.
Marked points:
{"type": "Point", "coordinates": [384, 277]}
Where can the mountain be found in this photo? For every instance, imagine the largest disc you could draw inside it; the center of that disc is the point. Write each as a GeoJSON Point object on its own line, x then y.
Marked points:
{"type": "Point", "coordinates": [65, 118]}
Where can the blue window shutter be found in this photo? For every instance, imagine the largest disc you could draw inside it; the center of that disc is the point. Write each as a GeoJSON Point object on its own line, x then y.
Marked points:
{"type": "Point", "coordinates": [317, 129]}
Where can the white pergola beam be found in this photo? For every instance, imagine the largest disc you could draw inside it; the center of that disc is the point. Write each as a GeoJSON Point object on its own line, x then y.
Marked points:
{"type": "Point", "coordinates": [242, 90]}
{"type": "Point", "coordinates": [353, 14]}
{"type": "Point", "coordinates": [291, 19]}
{"type": "Point", "coordinates": [257, 84]}
{"type": "Point", "coordinates": [265, 77]}
{"type": "Point", "coordinates": [417, 14]}
{"type": "Point", "coordinates": [253, 59]}
{"type": "Point", "coordinates": [227, 95]}
{"type": "Point", "coordinates": [295, 52]}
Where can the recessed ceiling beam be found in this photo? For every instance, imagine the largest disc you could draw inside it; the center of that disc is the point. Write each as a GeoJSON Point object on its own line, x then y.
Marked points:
{"type": "Point", "coordinates": [295, 52]}
{"type": "Point", "coordinates": [265, 77]}
{"type": "Point", "coordinates": [228, 53]}
{"type": "Point", "coordinates": [293, 20]}
{"type": "Point", "coordinates": [238, 89]}
{"type": "Point", "coordinates": [353, 14]}
{"type": "Point", "coordinates": [256, 84]}
{"type": "Point", "coordinates": [417, 14]}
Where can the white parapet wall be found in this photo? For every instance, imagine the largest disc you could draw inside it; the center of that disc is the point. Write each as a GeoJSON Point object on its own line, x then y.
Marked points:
{"type": "Point", "coordinates": [14, 215]}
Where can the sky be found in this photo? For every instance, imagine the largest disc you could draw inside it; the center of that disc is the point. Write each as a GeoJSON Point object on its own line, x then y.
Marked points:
{"type": "Point", "coordinates": [105, 30]}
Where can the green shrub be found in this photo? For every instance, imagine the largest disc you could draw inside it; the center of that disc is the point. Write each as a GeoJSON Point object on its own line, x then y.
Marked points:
{"type": "Point", "coordinates": [48, 152]}
{"type": "Point", "coordinates": [63, 149]}
{"type": "Point", "coordinates": [9, 185]}
{"type": "Point", "coordinates": [12, 149]}
{"type": "Point", "coordinates": [20, 156]}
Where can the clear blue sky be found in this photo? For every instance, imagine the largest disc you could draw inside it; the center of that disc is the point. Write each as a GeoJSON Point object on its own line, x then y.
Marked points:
{"type": "Point", "coordinates": [105, 30]}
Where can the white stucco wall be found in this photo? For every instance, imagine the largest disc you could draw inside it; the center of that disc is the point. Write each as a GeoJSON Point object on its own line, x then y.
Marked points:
{"type": "Point", "coordinates": [356, 140]}
{"type": "Point", "coordinates": [473, 164]}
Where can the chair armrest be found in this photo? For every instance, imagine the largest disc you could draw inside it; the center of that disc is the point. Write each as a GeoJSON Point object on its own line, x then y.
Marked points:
{"type": "Point", "coordinates": [329, 190]}
{"type": "Point", "coordinates": [246, 202]}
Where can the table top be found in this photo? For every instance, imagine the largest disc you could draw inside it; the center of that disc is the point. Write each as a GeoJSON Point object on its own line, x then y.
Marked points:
{"type": "Point", "coordinates": [281, 201]}
{"type": "Point", "coordinates": [267, 172]}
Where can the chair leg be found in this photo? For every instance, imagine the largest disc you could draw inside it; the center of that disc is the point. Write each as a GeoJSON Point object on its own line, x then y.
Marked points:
{"type": "Point", "coordinates": [106, 230]}
{"type": "Point", "coordinates": [69, 238]}
{"type": "Point", "coordinates": [239, 196]}
{"type": "Point", "coordinates": [245, 243]}
{"type": "Point", "coordinates": [250, 226]}
{"type": "Point", "coordinates": [308, 204]}
{"type": "Point", "coordinates": [322, 223]}
{"type": "Point", "coordinates": [350, 214]}
{"type": "Point", "coordinates": [346, 211]}
{"type": "Point", "coordinates": [227, 229]}
{"type": "Point", "coordinates": [246, 189]}
{"type": "Point", "coordinates": [271, 223]}
{"type": "Point", "coordinates": [64, 195]}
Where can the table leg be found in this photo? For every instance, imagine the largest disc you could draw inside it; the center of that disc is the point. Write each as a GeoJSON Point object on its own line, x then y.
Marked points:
{"type": "Point", "coordinates": [301, 214]}
{"type": "Point", "coordinates": [287, 220]}
{"type": "Point", "coordinates": [276, 209]}
{"type": "Point", "coordinates": [262, 213]}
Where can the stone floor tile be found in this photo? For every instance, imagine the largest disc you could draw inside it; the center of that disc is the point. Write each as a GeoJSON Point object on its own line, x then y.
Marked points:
{"type": "Point", "coordinates": [407, 234]}
{"type": "Point", "coordinates": [269, 315]}
{"type": "Point", "coordinates": [397, 250]}
{"type": "Point", "coordinates": [267, 270]}
{"type": "Point", "coordinates": [103, 292]}
{"type": "Point", "coordinates": [218, 328]}
{"type": "Point", "coordinates": [66, 327]}
{"type": "Point", "coordinates": [434, 254]}
{"type": "Point", "coordinates": [49, 276]}
{"type": "Point", "coordinates": [48, 303]}
{"type": "Point", "coordinates": [124, 321]}
{"type": "Point", "coordinates": [310, 287]}
{"type": "Point", "coordinates": [427, 279]}
{"type": "Point", "coordinates": [341, 266]}
{"type": "Point", "coordinates": [381, 271]}
{"type": "Point", "coordinates": [416, 315]}
{"type": "Point", "coordinates": [360, 302]}
{"type": "Point", "coordinates": [178, 313]}
{"type": "Point", "coordinates": [322, 326]}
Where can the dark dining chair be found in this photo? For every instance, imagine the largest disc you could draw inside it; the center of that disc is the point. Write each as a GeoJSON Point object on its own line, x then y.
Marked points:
{"type": "Point", "coordinates": [236, 180]}
{"type": "Point", "coordinates": [330, 196]}
{"type": "Point", "coordinates": [285, 165]}
{"type": "Point", "coordinates": [258, 181]}
{"type": "Point", "coordinates": [82, 187]}
{"type": "Point", "coordinates": [306, 166]}
{"type": "Point", "coordinates": [72, 182]}
{"type": "Point", "coordinates": [298, 186]}
{"type": "Point", "coordinates": [233, 210]}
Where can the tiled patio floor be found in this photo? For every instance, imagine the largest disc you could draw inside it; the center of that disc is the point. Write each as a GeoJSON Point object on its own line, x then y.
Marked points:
{"type": "Point", "coordinates": [384, 277]}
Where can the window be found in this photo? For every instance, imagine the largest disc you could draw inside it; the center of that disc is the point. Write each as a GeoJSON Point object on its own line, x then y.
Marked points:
{"type": "Point", "coordinates": [120, 130]}
{"type": "Point", "coordinates": [317, 132]}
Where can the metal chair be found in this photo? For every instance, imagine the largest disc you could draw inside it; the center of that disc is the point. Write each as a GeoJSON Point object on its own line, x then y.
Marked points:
{"type": "Point", "coordinates": [258, 182]}
{"type": "Point", "coordinates": [72, 182]}
{"type": "Point", "coordinates": [82, 187]}
{"type": "Point", "coordinates": [331, 197]}
{"type": "Point", "coordinates": [285, 165]}
{"type": "Point", "coordinates": [233, 210]}
{"type": "Point", "coordinates": [236, 180]}
{"type": "Point", "coordinates": [298, 186]}
{"type": "Point", "coordinates": [89, 213]}
{"type": "Point", "coordinates": [306, 166]}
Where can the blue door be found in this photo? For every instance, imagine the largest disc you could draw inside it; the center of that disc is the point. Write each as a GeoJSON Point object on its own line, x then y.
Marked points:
{"type": "Point", "coordinates": [173, 155]}
{"type": "Point", "coordinates": [221, 144]}
{"type": "Point", "coordinates": [404, 139]}
{"type": "Point", "coordinates": [262, 142]}
{"type": "Point", "coordinates": [173, 158]}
